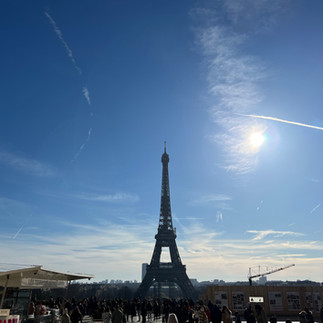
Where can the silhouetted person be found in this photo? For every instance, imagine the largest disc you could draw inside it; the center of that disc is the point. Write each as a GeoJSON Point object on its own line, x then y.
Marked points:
{"type": "Point", "coordinates": [202, 315]}
{"type": "Point", "coordinates": [302, 317]}
{"type": "Point", "coordinates": [237, 317]}
{"type": "Point", "coordinates": [65, 317]}
{"type": "Point", "coordinates": [216, 314]}
{"type": "Point", "coordinates": [273, 319]}
{"type": "Point", "coordinates": [172, 318]}
{"type": "Point", "coordinates": [309, 316]}
{"type": "Point", "coordinates": [117, 315]}
{"type": "Point", "coordinates": [260, 314]}
{"type": "Point", "coordinates": [76, 315]}
{"type": "Point", "coordinates": [143, 311]}
{"type": "Point", "coordinates": [226, 315]}
{"type": "Point", "coordinates": [249, 315]}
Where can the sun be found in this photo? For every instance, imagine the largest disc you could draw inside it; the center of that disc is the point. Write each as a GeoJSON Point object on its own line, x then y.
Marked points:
{"type": "Point", "coordinates": [257, 139]}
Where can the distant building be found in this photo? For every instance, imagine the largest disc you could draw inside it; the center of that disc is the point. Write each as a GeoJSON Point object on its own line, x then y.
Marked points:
{"type": "Point", "coordinates": [262, 280]}
{"type": "Point", "coordinates": [194, 281]}
{"type": "Point", "coordinates": [218, 282]}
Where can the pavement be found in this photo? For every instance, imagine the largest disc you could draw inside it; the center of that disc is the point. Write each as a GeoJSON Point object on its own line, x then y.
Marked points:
{"type": "Point", "coordinates": [89, 319]}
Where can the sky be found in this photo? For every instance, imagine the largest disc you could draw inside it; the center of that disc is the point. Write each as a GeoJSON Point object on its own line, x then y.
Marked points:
{"type": "Point", "coordinates": [90, 90]}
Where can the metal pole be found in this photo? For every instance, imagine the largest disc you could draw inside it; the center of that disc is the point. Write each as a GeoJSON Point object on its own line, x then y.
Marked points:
{"type": "Point", "coordinates": [4, 291]}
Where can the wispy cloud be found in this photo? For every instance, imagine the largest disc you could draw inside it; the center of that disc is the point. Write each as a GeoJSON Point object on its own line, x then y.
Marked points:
{"type": "Point", "coordinates": [202, 251]}
{"type": "Point", "coordinates": [282, 120]}
{"type": "Point", "coordinates": [27, 165]}
{"type": "Point", "coordinates": [255, 16]}
{"type": "Point", "coordinates": [263, 234]}
{"type": "Point", "coordinates": [210, 198]}
{"type": "Point", "coordinates": [110, 198]}
{"type": "Point", "coordinates": [89, 245]}
{"type": "Point", "coordinates": [233, 75]}
{"type": "Point", "coordinates": [219, 217]}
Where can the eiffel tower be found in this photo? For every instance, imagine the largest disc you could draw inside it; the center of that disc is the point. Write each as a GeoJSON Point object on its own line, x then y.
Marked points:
{"type": "Point", "coordinates": [166, 272]}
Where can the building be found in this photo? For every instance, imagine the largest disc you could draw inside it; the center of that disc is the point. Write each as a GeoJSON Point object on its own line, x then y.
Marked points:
{"type": "Point", "coordinates": [278, 301]}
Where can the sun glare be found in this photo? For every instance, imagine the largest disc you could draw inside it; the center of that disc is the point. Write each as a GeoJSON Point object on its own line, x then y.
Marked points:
{"type": "Point", "coordinates": [257, 139]}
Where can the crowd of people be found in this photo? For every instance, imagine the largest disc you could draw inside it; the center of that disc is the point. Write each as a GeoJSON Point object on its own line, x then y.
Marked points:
{"type": "Point", "coordinates": [168, 310]}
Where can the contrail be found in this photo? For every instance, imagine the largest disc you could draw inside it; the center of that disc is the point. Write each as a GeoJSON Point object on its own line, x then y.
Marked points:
{"type": "Point", "coordinates": [85, 89]}
{"type": "Point", "coordinates": [15, 236]}
{"type": "Point", "coordinates": [282, 120]}
{"type": "Point", "coordinates": [17, 233]}
{"type": "Point", "coordinates": [83, 145]}
{"type": "Point", "coordinates": [86, 94]}
{"type": "Point", "coordinates": [315, 208]}
{"type": "Point", "coordinates": [60, 37]}
{"type": "Point", "coordinates": [69, 52]}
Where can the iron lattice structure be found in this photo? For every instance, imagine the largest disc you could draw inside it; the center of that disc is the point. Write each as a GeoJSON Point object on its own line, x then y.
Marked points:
{"type": "Point", "coordinates": [166, 272]}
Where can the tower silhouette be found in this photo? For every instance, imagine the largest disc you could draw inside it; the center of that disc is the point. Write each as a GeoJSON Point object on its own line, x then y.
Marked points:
{"type": "Point", "coordinates": [166, 272]}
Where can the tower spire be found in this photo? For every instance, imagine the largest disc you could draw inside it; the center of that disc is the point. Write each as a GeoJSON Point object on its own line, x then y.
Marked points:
{"type": "Point", "coordinates": [165, 215]}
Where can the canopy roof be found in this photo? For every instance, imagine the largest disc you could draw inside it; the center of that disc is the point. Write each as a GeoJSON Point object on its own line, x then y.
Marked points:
{"type": "Point", "coordinates": [38, 277]}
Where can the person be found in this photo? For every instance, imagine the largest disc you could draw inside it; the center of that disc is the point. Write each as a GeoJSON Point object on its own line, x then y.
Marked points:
{"type": "Point", "coordinates": [302, 317]}
{"type": "Point", "coordinates": [237, 317]}
{"type": "Point", "coordinates": [40, 309]}
{"type": "Point", "coordinates": [216, 314]}
{"type": "Point", "coordinates": [308, 315]}
{"type": "Point", "coordinates": [65, 317]}
{"type": "Point", "coordinates": [127, 310]}
{"type": "Point", "coordinates": [149, 309]}
{"type": "Point", "coordinates": [31, 310]}
{"type": "Point", "coordinates": [202, 317]}
{"type": "Point", "coordinates": [143, 311]}
{"type": "Point", "coordinates": [172, 318]}
{"type": "Point", "coordinates": [117, 315]}
{"type": "Point", "coordinates": [133, 310]}
{"type": "Point", "coordinates": [273, 319]}
{"type": "Point", "coordinates": [249, 315]}
{"type": "Point", "coordinates": [76, 315]}
{"type": "Point", "coordinates": [191, 315]}
{"type": "Point", "coordinates": [166, 310]}
{"type": "Point", "coordinates": [260, 314]}
{"type": "Point", "coordinates": [106, 315]}
{"type": "Point", "coordinates": [138, 309]}
{"type": "Point", "coordinates": [226, 315]}
{"type": "Point", "coordinates": [156, 310]}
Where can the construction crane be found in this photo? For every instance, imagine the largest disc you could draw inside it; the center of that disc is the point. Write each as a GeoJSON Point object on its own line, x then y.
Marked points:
{"type": "Point", "coordinates": [273, 270]}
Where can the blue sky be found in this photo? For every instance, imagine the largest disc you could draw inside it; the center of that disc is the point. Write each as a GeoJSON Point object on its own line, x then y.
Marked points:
{"type": "Point", "coordinates": [90, 91]}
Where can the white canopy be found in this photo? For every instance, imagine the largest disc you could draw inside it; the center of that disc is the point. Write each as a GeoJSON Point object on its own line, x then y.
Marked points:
{"type": "Point", "coordinates": [38, 277]}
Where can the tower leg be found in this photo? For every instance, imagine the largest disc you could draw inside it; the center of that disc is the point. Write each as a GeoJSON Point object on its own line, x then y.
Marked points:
{"type": "Point", "coordinates": [145, 285]}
